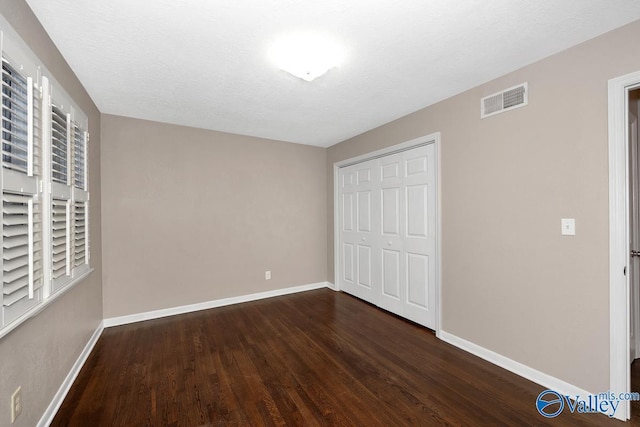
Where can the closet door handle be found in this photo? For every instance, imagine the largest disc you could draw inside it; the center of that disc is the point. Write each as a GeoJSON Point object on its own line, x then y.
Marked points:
{"type": "Point", "coordinates": [389, 243]}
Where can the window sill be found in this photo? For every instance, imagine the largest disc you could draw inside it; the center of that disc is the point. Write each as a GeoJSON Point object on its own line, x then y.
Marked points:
{"type": "Point", "coordinates": [45, 303]}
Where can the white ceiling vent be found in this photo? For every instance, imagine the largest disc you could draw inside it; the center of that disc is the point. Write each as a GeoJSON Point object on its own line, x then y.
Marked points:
{"type": "Point", "coordinates": [508, 99]}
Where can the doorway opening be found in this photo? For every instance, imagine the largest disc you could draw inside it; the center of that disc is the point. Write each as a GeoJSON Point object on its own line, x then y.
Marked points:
{"type": "Point", "coordinates": [633, 109]}
{"type": "Point", "coordinates": [624, 233]}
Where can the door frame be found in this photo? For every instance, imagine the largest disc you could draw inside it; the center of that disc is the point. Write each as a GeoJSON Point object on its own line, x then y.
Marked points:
{"type": "Point", "coordinates": [634, 320]}
{"type": "Point", "coordinates": [433, 138]}
{"type": "Point", "coordinates": [619, 238]}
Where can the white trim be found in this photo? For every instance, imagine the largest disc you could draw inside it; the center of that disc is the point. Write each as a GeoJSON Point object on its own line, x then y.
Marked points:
{"type": "Point", "coordinates": [433, 138]}
{"type": "Point", "coordinates": [336, 223]}
{"type": "Point", "coordinates": [619, 363]}
{"type": "Point", "coordinates": [332, 286]}
{"type": "Point", "coordinates": [438, 329]}
{"type": "Point", "coordinates": [157, 314]}
{"type": "Point", "coordinates": [53, 407]}
{"type": "Point", "coordinates": [517, 368]}
{"type": "Point", "coordinates": [423, 140]}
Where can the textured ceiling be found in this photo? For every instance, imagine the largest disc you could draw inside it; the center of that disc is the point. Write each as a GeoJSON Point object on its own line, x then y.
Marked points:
{"type": "Point", "coordinates": [203, 63]}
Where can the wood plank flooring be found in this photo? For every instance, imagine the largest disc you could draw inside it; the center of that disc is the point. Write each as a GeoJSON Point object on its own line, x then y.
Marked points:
{"type": "Point", "coordinates": [317, 358]}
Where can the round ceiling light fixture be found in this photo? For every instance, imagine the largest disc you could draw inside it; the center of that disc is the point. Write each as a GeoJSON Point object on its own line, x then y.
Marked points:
{"type": "Point", "coordinates": [306, 55]}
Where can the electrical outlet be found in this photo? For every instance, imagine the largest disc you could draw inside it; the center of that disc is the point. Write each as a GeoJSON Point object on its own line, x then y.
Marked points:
{"type": "Point", "coordinates": [16, 404]}
{"type": "Point", "coordinates": [267, 275]}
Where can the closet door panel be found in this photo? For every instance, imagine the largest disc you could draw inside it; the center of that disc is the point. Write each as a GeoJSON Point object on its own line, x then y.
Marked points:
{"type": "Point", "coordinates": [387, 233]}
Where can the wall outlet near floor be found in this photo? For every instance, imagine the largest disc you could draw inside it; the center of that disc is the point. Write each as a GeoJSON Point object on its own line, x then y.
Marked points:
{"type": "Point", "coordinates": [267, 275]}
{"type": "Point", "coordinates": [16, 404]}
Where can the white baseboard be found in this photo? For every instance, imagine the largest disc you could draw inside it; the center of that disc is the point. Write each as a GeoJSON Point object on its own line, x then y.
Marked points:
{"type": "Point", "coordinates": [156, 314]}
{"type": "Point", "coordinates": [51, 411]}
{"type": "Point", "coordinates": [332, 286]}
{"type": "Point", "coordinates": [538, 377]}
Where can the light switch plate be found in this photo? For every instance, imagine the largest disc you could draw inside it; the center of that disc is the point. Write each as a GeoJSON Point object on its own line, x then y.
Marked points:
{"type": "Point", "coordinates": [568, 226]}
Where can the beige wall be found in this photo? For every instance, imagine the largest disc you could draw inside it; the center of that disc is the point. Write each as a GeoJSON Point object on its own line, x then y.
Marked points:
{"type": "Point", "coordinates": [39, 354]}
{"type": "Point", "coordinates": [192, 215]}
{"type": "Point", "coordinates": [511, 283]}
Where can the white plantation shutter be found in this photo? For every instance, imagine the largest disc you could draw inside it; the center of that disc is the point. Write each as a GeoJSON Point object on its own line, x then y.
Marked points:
{"type": "Point", "coordinates": [80, 235]}
{"type": "Point", "coordinates": [21, 254]}
{"type": "Point", "coordinates": [22, 272]}
{"type": "Point", "coordinates": [80, 232]}
{"type": "Point", "coordinates": [60, 240]}
{"type": "Point", "coordinates": [15, 118]}
{"type": "Point", "coordinates": [59, 145]}
{"type": "Point", "coordinates": [44, 187]}
{"type": "Point", "coordinates": [79, 157]}
{"type": "Point", "coordinates": [37, 134]}
{"type": "Point", "coordinates": [61, 197]}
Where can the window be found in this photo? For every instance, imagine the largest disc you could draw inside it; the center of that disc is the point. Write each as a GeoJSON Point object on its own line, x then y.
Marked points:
{"type": "Point", "coordinates": [21, 219]}
{"type": "Point", "coordinates": [44, 187]}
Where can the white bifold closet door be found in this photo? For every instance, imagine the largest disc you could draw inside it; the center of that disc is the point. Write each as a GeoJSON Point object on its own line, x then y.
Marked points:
{"type": "Point", "coordinates": [387, 238]}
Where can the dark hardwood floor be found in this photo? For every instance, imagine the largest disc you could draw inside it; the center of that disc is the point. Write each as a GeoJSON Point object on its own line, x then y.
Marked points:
{"type": "Point", "coordinates": [309, 359]}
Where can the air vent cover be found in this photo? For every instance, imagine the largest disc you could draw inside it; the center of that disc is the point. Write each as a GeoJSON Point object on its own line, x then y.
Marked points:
{"type": "Point", "coordinates": [508, 99]}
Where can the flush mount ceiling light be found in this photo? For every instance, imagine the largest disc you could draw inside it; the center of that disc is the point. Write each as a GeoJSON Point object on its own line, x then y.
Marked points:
{"type": "Point", "coordinates": [306, 55]}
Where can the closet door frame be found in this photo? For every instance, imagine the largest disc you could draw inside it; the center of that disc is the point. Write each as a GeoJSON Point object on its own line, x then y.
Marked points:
{"type": "Point", "coordinates": [433, 138]}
